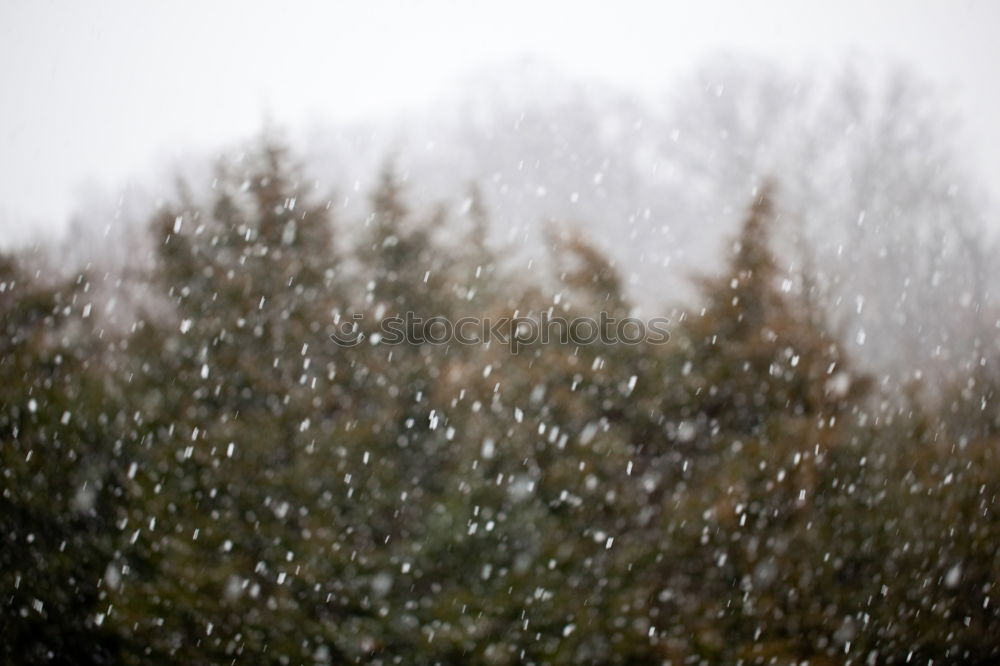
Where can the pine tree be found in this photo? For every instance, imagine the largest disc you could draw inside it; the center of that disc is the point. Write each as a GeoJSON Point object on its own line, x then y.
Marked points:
{"type": "Point", "coordinates": [61, 493]}
{"type": "Point", "coordinates": [240, 385]}
{"type": "Point", "coordinates": [769, 396]}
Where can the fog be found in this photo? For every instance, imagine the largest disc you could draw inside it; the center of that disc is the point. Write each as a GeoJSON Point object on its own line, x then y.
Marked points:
{"type": "Point", "coordinates": [97, 96]}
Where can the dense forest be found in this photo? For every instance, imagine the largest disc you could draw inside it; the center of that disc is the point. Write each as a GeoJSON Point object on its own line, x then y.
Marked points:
{"type": "Point", "coordinates": [219, 482]}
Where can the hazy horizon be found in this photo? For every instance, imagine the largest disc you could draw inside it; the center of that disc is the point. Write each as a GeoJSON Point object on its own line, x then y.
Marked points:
{"type": "Point", "coordinates": [100, 96]}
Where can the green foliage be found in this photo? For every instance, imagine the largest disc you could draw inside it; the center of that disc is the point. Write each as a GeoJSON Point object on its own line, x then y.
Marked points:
{"type": "Point", "coordinates": [222, 483]}
{"type": "Point", "coordinates": [60, 487]}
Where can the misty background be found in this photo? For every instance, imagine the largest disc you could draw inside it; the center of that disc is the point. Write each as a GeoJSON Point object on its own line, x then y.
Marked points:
{"type": "Point", "coordinates": [94, 95]}
{"type": "Point", "coordinates": [645, 128]}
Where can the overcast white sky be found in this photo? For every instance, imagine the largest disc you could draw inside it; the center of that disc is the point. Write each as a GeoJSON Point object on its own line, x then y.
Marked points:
{"type": "Point", "coordinates": [93, 93]}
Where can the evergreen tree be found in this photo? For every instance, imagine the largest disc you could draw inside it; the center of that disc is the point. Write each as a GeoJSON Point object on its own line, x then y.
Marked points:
{"type": "Point", "coordinates": [61, 433]}
{"type": "Point", "coordinates": [232, 539]}
{"type": "Point", "coordinates": [769, 396]}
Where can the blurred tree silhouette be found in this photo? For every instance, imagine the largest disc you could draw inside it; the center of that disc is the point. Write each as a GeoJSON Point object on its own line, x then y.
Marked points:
{"type": "Point", "coordinates": [61, 477]}
{"type": "Point", "coordinates": [222, 483]}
